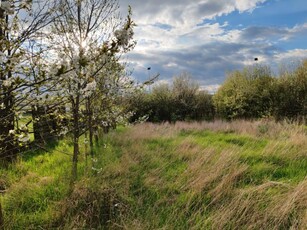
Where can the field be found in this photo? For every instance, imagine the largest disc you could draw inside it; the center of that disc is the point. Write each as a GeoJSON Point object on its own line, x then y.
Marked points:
{"type": "Point", "coordinates": [219, 175]}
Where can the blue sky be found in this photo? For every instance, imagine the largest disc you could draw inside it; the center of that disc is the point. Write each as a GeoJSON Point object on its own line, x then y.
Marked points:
{"type": "Point", "coordinates": [208, 38]}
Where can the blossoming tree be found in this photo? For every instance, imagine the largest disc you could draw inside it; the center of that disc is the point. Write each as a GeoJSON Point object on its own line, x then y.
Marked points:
{"type": "Point", "coordinates": [88, 36]}
{"type": "Point", "coordinates": [21, 26]}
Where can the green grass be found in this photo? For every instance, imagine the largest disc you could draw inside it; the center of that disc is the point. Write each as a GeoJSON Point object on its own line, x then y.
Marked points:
{"type": "Point", "coordinates": [165, 177]}
{"type": "Point", "coordinates": [35, 186]}
{"type": "Point", "coordinates": [192, 178]}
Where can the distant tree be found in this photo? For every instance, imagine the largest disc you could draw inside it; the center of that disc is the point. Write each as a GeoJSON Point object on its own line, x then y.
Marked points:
{"type": "Point", "coordinates": [246, 94]}
{"type": "Point", "coordinates": [162, 106]}
{"type": "Point", "coordinates": [204, 108]}
{"type": "Point", "coordinates": [184, 90]}
{"type": "Point", "coordinates": [290, 92]}
{"type": "Point", "coordinates": [182, 100]}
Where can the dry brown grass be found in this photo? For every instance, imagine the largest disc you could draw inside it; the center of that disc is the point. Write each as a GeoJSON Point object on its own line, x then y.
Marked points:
{"type": "Point", "coordinates": [91, 208]}
{"type": "Point", "coordinates": [216, 194]}
{"type": "Point", "coordinates": [265, 127]}
{"type": "Point", "coordinates": [256, 208]}
{"type": "Point", "coordinates": [147, 131]}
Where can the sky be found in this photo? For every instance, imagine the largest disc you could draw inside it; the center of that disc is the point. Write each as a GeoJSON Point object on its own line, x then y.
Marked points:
{"type": "Point", "coordinates": [210, 38]}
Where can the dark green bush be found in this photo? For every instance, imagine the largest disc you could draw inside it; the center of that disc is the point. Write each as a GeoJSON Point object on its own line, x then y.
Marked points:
{"type": "Point", "coordinates": [181, 101]}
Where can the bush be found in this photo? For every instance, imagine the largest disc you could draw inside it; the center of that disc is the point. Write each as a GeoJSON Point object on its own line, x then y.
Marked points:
{"type": "Point", "coordinates": [291, 94]}
{"type": "Point", "coordinates": [183, 100]}
{"type": "Point", "coordinates": [246, 94]}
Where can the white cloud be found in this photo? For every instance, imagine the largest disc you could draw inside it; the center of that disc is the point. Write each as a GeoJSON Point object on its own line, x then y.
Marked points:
{"type": "Point", "coordinates": [175, 36]}
{"type": "Point", "coordinates": [210, 88]}
{"type": "Point", "coordinates": [291, 55]}
{"type": "Point", "coordinates": [250, 5]}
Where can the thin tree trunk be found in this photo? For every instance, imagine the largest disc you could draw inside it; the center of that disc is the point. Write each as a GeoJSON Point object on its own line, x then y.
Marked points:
{"type": "Point", "coordinates": [8, 149]}
{"type": "Point", "coordinates": [1, 218]}
{"type": "Point", "coordinates": [76, 106]}
{"type": "Point", "coordinates": [86, 152]}
{"type": "Point", "coordinates": [76, 134]}
{"type": "Point", "coordinates": [90, 125]}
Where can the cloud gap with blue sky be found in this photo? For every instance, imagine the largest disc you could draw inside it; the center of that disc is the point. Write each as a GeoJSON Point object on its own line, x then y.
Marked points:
{"type": "Point", "coordinates": [208, 38]}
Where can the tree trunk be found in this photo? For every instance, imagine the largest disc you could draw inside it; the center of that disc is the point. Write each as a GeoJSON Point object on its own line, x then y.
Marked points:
{"type": "Point", "coordinates": [90, 125]}
{"type": "Point", "coordinates": [8, 149]}
{"type": "Point", "coordinates": [1, 218]}
{"type": "Point", "coordinates": [76, 134]}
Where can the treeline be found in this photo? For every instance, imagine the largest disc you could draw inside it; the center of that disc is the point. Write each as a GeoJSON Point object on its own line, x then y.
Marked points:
{"type": "Point", "coordinates": [182, 100]}
{"type": "Point", "coordinates": [256, 93]}
{"type": "Point", "coordinates": [251, 93]}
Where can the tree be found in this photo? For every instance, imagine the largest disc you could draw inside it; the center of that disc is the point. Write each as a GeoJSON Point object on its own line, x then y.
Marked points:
{"type": "Point", "coordinates": [87, 35]}
{"type": "Point", "coordinates": [185, 91]}
{"type": "Point", "coordinates": [1, 217]}
{"type": "Point", "coordinates": [21, 24]}
{"type": "Point", "coordinates": [290, 94]}
{"type": "Point", "coordinates": [246, 94]}
{"type": "Point", "coordinates": [182, 100]}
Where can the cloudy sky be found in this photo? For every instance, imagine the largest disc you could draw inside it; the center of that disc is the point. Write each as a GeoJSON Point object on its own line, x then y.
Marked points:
{"type": "Point", "coordinates": [208, 38]}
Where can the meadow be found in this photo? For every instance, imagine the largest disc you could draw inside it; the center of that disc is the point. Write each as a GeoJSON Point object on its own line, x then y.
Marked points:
{"type": "Point", "coordinates": [198, 175]}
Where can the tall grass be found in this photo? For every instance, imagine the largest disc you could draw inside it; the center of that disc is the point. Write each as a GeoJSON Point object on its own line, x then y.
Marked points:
{"type": "Point", "coordinates": [218, 175]}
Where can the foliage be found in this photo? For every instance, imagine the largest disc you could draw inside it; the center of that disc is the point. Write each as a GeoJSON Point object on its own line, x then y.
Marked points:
{"type": "Point", "coordinates": [245, 94]}
{"type": "Point", "coordinates": [21, 48]}
{"type": "Point", "coordinates": [183, 100]}
{"type": "Point", "coordinates": [255, 93]}
{"type": "Point", "coordinates": [290, 99]}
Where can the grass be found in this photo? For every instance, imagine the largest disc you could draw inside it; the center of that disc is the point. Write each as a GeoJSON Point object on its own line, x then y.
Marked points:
{"type": "Point", "coordinates": [35, 185]}
{"type": "Point", "coordinates": [218, 175]}
{"type": "Point", "coordinates": [211, 175]}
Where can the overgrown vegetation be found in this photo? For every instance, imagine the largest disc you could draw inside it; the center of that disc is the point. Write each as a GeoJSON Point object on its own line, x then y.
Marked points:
{"type": "Point", "coordinates": [251, 93]}
{"type": "Point", "coordinates": [182, 176]}
{"type": "Point", "coordinates": [181, 101]}
{"type": "Point", "coordinates": [63, 87]}
{"type": "Point", "coordinates": [256, 93]}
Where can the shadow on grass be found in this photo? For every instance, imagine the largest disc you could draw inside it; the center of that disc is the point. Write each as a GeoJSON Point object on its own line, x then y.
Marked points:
{"type": "Point", "coordinates": [36, 149]}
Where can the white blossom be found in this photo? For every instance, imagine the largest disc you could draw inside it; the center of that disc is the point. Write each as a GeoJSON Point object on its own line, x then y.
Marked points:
{"type": "Point", "coordinates": [94, 160]}
{"type": "Point", "coordinates": [26, 4]}
{"type": "Point", "coordinates": [7, 6]}
{"type": "Point", "coordinates": [24, 137]}
{"type": "Point", "coordinates": [90, 88]}
{"type": "Point", "coordinates": [123, 36]}
{"type": "Point", "coordinates": [105, 124]}
{"type": "Point", "coordinates": [20, 116]}
{"type": "Point", "coordinates": [23, 127]}
{"type": "Point", "coordinates": [7, 83]}
{"type": "Point", "coordinates": [63, 131]}
{"type": "Point", "coordinates": [97, 170]}
{"type": "Point", "coordinates": [12, 132]}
